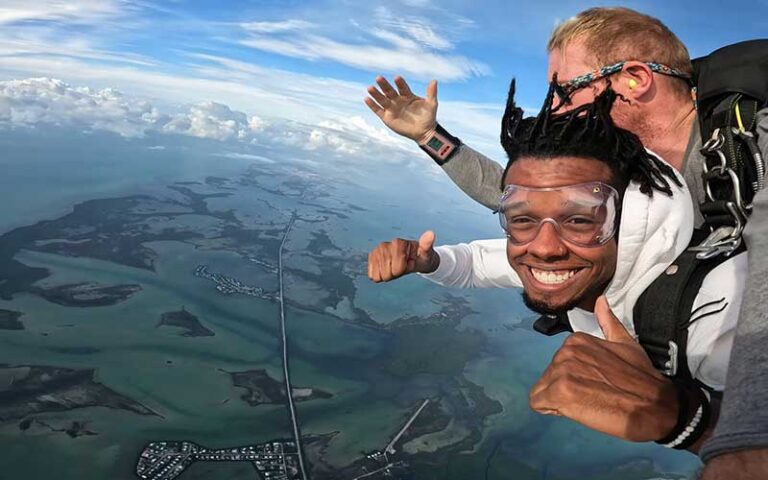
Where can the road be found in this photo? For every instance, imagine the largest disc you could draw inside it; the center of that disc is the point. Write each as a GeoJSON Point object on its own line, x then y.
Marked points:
{"type": "Point", "coordinates": [391, 447]}
{"type": "Point", "coordinates": [286, 374]}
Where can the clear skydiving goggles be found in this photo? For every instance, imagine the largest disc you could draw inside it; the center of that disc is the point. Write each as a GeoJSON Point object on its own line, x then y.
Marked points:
{"type": "Point", "coordinates": [585, 215]}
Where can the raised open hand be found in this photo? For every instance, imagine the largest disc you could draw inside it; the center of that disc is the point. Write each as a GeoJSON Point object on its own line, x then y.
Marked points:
{"type": "Point", "coordinates": [403, 112]}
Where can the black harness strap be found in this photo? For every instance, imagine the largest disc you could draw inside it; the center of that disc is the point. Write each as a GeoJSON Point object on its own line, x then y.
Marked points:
{"type": "Point", "coordinates": [662, 314]}
{"type": "Point", "coordinates": [738, 68]}
{"type": "Point", "coordinates": [552, 324]}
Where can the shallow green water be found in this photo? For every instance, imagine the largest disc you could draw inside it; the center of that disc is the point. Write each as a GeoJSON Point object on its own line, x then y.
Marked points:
{"type": "Point", "coordinates": [185, 379]}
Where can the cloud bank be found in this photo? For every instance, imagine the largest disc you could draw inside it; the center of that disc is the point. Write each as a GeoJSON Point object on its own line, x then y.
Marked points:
{"type": "Point", "coordinates": [37, 102]}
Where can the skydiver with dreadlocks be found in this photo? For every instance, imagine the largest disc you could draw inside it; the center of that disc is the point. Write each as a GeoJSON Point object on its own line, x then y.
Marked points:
{"type": "Point", "coordinates": [591, 218]}
{"type": "Point", "coordinates": [651, 67]}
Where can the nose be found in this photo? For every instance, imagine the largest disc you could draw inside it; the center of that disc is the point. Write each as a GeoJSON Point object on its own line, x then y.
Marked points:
{"type": "Point", "coordinates": [547, 243]}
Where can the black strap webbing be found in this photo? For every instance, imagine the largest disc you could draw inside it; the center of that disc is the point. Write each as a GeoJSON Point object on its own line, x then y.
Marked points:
{"type": "Point", "coordinates": [663, 311]}
{"type": "Point", "coordinates": [552, 324]}
{"type": "Point", "coordinates": [738, 68]}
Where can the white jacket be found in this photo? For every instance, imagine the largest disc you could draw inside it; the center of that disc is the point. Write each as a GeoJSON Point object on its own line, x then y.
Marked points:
{"type": "Point", "coordinates": [653, 232]}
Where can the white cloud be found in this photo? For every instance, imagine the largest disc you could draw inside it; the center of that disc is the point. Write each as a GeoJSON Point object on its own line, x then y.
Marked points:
{"type": "Point", "coordinates": [247, 156]}
{"type": "Point", "coordinates": [216, 121]}
{"type": "Point", "coordinates": [476, 124]}
{"type": "Point", "coordinates": [382, 42]}
{"type": "Point", "coordinates": [396, 40]}
{"type": "Point", "coordinates": [408, 57]}
{"type": "Point", "coordinates": [275, 27]}
{"type": "Point", "coordinates": [424, 34]}
{"type": "Point", "coordinates": [37, 101]}
{"type": "Point", "coordinates": [82, 11]}
{"type": "Point", "coordinates": [43, 40]}
{"type": "Point", "coordinates": [44, 101]}
{"type": "Point", "coordinates": [421, 29]}
{"type": "Point", "coordinates": [356, 136]}
{"type": "Point", "coordinates": [359, 125]}
{"type": "Point", "coordinates": [264, 93]}
{"type": "Point", "coordinates": [38, 41]}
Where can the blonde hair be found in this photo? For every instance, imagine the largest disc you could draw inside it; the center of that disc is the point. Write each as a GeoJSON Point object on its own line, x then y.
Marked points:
{"type": "Point", "coordinates": [615, 34]}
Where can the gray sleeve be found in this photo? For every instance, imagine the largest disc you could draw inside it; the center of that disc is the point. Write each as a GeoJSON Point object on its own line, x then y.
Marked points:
{"type": "Point", "coordinates": [743, 421]}
{"type": "Point", "coordinates": [477, 175]}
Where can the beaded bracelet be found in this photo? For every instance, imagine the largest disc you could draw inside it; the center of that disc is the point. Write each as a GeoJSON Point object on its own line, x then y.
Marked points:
{"type": "Point", "coordinates": [684, 435]}
{"type": "Point", "coordinates": [682, 414]}
{"type": "Point", "coordinates": [696, 428]}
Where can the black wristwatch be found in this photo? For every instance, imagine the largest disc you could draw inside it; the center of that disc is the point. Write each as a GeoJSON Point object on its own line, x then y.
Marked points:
{"type": "Point", "coordinates": [441, 145]}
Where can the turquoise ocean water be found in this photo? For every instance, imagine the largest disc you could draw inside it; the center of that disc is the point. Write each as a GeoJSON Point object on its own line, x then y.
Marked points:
{"type": "Point", "coordinates": [185, 379]}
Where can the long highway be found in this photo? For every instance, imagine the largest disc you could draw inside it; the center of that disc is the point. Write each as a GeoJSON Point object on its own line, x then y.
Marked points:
{"type": "Point", "coordinates": [286, 375]}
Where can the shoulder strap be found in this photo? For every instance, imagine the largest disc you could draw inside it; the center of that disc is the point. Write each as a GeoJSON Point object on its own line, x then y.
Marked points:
{"type": "Point", "coordinates": [662, 314]}
{"type": "Point", "coordinates": [738, 68]}
{"type": "Point", "coordinates": [731, 87]}
{"type": "Point", "coordinates": [553, 324]}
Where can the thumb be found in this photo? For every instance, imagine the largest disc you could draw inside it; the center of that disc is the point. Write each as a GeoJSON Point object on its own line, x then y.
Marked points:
{"type": "Point", "coordinates": [612, 328]}
{"type": "Point", "coordinates": [426, 243]}
{"type": "Point", "coordinates": [432, 90]}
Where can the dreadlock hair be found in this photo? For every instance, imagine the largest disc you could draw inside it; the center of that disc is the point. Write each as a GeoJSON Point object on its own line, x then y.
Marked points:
{"type": "Point", "coordinates": [586, 132]}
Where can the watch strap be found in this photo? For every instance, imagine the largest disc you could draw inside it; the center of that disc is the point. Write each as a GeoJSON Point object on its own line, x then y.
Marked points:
{"type": "Point", "coordinates": [441, 146]}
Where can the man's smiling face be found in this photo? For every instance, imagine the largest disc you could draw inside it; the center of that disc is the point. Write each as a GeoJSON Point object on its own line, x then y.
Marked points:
{"type": "Point", "coordinates": [558, 275]}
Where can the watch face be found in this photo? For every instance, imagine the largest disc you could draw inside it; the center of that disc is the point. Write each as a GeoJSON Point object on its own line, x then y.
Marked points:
{"type": "Point", "coordinates": [434, 143]}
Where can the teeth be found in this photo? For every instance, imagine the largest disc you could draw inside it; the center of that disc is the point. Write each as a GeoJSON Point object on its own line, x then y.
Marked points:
{"type": "Point", "coordinates": [552, 277]}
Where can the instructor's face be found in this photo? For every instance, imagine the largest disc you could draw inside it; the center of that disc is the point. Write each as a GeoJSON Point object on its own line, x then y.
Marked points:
{"type": "Point", "coordinates": [558, 275]}
{"type": "Point", "coordinates": [568, 64]}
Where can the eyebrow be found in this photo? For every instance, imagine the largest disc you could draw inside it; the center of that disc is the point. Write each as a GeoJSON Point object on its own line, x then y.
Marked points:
{"type": "Point", "coordinates": [569, 203]}
{"type": "Point", "coordinates": [515, 205]}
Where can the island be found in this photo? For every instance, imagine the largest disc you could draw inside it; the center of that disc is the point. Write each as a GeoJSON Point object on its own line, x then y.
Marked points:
{"type": "Point", "coordinates": [185, 320]}
{"type": "Point", "coordinates": [31, 389]}
{"type": "Point", "coordinates": [261, 388]}
{"type": "Point", "coordinates": [87, 294]}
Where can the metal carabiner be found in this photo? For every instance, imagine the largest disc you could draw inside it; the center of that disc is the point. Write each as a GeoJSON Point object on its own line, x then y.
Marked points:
{"type": "Point", "coordinates": [714, 143]}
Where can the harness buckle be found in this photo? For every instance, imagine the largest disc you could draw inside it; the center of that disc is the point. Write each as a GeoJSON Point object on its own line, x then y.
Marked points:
{"type": "Point", "coordinates": [723, 240]}
{"type": "Point", "coordinates": [670, 367]}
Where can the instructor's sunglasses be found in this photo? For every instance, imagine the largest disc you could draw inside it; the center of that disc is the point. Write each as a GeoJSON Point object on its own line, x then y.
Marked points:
{"type": "Point", "coordinates": [564, 90]}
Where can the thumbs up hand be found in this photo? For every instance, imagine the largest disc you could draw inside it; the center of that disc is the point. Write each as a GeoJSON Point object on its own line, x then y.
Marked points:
{"type": "Point", "coordinates": [608, 385]}
{"type": "Point", "coordinates": [613, 329]}
{"type": "Point", "coordinates": [391, 260]}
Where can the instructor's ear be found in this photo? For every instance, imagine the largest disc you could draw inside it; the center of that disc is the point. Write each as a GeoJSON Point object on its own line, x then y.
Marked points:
{"type": "Point", "coordinates": [639, 79]}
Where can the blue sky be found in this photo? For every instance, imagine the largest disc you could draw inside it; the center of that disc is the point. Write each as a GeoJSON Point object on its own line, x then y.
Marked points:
{"type": "Point", "coordinates": [310, 61]}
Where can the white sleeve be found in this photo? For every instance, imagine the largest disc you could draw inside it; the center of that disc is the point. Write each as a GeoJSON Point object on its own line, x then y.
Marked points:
{"type": "Point", "coordinates": [478, 264]}
{"type": "Point", "coordinates": [710, 338]}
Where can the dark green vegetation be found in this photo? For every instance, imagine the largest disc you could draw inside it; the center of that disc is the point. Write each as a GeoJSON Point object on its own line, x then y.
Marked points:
{"type": "Point", "coordinates": [186, 321]}
{"type": "Point", "coordinates": [9, 320]}
{"type": "Point", "coordinates": [114, 230]}
{"type": "Point", "coordinates": [73, 429]}
{"type": "Point", "coordinates": [86, 294]}
{"type": "Point", "coordinates": [432, 344]}
{"type": "Point", "coordinates": [261, 388]}
{"type": "Point", "coordinates": [27, 390]}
